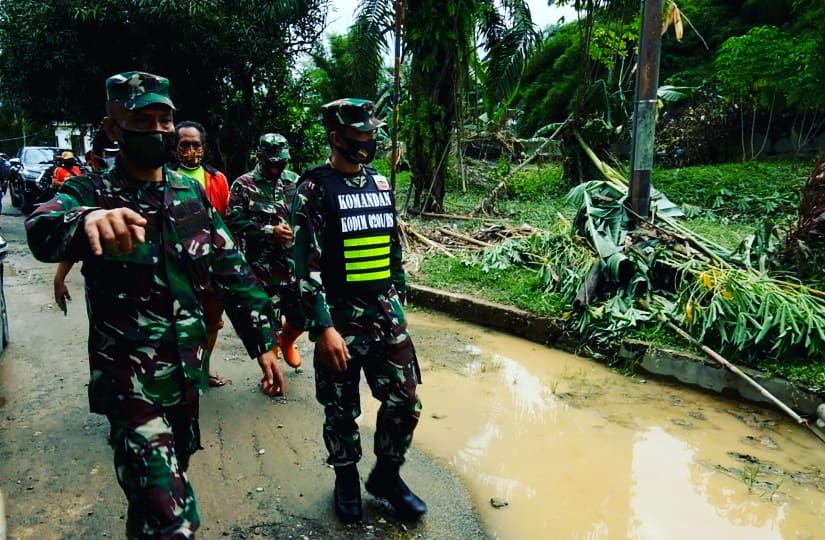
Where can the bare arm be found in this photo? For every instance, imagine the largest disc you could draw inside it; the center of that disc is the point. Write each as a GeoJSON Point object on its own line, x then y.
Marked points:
{"type": "Point", "coordinates": [61, 292]}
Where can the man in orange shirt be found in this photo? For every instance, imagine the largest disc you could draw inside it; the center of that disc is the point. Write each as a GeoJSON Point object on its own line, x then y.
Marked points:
{"type": "Point", "coordinates": [66, 168]}
{"type": "Point", "coordinates": [190, 148]}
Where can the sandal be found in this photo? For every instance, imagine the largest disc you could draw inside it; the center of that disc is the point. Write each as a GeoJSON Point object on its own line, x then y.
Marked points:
{"type": "Point", "coordinates": [216, 380]}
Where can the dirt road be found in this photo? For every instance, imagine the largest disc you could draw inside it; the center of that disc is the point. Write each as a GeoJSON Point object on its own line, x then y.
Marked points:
{"type": "Point", "coordinates": [261, 474]}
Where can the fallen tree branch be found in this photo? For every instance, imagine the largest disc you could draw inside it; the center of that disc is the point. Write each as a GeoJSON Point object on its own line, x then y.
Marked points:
{"type": "Point", "coordinates": [433, 215]}
{"type": "Point", "coordinates": [428, 242]}
{"type": "Point", "coordinates": [464, 237]}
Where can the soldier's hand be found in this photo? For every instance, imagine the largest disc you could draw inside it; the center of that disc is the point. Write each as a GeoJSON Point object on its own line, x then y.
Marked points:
{"type": "Point", "coordinates": [332, 350]}
{"type": "Point", "coordinates": [61, 295]}
{"type": "Point", "coordinates": [114, 230]}
{"type": "Point", "coordinates": [282, 233]}
{"type": "Point", "coordinates": [272, 383]}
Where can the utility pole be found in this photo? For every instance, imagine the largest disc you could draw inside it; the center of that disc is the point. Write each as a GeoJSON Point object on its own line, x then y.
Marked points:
{"type": "Point", "coordinates": [644, 116]}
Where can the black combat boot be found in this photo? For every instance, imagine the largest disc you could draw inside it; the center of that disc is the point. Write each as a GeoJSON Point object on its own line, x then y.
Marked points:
{"type": "Point", "coordinates": [386, 483]}
{"type": "Point", "coordinates": [348, 494]}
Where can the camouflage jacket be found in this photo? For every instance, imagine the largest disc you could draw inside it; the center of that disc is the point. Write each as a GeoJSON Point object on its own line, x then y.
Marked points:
{"type": "Point", "coordinates": [358, 319]}
{"type": "Point", "coordinates": [150, 298]}
{"type": "Point", "coordinates": [257, 203]}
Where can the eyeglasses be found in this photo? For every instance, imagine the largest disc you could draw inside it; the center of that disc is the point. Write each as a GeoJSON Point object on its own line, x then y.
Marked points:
{"type": "Point", "coordinates": [190, 144]}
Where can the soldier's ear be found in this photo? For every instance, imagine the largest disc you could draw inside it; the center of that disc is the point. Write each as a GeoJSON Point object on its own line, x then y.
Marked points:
{"type": "Point", "coordinates": [333, 138]}
{"type": "Point", "coordinates": [109, 127]}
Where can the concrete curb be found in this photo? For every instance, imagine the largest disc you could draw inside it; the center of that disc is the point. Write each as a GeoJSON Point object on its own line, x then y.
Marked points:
{"type": "Point", "coordinates": [690, 369]}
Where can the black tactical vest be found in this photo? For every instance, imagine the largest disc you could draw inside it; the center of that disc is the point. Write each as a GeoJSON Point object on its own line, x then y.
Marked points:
{"type": "Point", "coordinates": [359, 222]}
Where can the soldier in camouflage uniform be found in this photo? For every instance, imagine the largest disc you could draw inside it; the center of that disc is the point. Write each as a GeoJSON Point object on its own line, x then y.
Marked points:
{"type": "Point", "coordinates": [150, 243]}
{"type": "Point", "coordinates": [190, 143]}
{"type": "Point", "coordinates": [348, 263]}
{"type": "Point", "coordinates": [258, 216]}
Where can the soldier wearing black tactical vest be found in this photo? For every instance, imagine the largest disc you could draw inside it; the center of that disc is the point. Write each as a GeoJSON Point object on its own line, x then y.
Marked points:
{"type": "Point", "coordinates": [348, 264]}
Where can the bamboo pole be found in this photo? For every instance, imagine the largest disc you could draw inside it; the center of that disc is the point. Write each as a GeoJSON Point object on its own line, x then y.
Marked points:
{"type": "Point", "coordinates": [732, 368]}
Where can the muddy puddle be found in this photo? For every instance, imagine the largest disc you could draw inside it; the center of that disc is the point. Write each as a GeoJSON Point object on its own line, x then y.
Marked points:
{"type": "Point", "coordinates": [556, 446]}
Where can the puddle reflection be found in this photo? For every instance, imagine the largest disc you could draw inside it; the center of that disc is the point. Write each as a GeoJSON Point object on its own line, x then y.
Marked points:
{"type": "Point", "coordinates": [674, 497]}
{"type": "Point", "coordinates": [580, 452]}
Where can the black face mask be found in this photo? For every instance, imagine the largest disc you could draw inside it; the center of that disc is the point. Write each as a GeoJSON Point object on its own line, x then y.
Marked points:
{"type": "Point", "coordinates": [149, 149]}
{"type": "Point", "coordinates": [357, 152]}
{"type": "Point", "coordinates": [268, 165]}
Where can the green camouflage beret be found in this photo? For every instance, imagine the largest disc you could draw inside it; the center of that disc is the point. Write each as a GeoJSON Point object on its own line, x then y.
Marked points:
{"type": "Point", "coordinates": [356, 113]}
{"type": "Point", "coordinates": [274, 145]}
{"type": "Point", "coordinates": [136, 89]}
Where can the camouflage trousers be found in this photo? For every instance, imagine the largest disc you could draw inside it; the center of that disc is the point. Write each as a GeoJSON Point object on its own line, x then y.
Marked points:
{"type": "Point", "coordinates": [391, 371]}
{"type": "Point", "coordinates": [287, 303]}
{"type": "Point", "coordinates": [152, 444]}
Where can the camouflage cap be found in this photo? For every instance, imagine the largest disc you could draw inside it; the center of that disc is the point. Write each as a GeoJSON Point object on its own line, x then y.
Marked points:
{"type": "Point", "coordinates": [353, 112]}
{"type": "Point", "coordinates": [274, 146]}
{"type": "Point", "coordinates": [136, 89]}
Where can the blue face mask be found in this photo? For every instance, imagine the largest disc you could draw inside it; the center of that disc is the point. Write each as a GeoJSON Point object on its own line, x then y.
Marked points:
{"type": "Point", "coordinates": [110, 162]}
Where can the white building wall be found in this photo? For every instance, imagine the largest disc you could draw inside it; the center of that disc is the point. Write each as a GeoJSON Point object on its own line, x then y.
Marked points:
{"type": "Point", "coordinates": [64, 134]}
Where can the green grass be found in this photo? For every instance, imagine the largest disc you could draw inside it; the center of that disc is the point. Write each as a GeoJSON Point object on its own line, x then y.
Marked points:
{"type": "Point", "coordinates": [811, 375]}
{"type": "Point", "coordinates": [737, 191]}
{"type": "Point", "coordinates": [517, 287]}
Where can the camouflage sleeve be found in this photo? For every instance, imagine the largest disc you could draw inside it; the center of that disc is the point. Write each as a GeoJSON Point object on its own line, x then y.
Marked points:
{"type": "Point", "coordinates": [248, 306]}
{"type": "Point", "coordinates": [307, 219]}
{"type": "Point", "coordinates": [237, 214]}
{"type": "Point", "coordinates": [55, 229]}
{"type": "Point", "coordinates": [282, 209]}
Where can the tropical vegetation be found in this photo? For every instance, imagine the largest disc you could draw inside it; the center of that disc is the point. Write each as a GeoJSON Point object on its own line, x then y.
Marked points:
{"type": "Point", "coordinates": [715, 273]}
{"type": "Point", "coordinates": [739, 85]}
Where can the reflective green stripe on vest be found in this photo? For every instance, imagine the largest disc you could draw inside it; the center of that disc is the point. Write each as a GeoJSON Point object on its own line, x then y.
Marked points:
{"type": "Point", "coordinates": [369, 276]}
{"type": "Point", "coordinates": [369, 263]}
{"type": "Point", "coordinates": [364, 253]}
{"type": "Point", "coordinates": [366, 265]}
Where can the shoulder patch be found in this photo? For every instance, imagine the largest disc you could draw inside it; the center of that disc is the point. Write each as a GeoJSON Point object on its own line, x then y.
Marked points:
{"type": "Point", "coordinates": [381, 182]}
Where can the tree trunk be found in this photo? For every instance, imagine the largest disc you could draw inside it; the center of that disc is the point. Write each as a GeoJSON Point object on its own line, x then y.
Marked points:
{"type": "Point", "coordinates": [433, 89]}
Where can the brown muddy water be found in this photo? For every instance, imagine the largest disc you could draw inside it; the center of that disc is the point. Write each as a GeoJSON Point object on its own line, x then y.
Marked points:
{"type": "Point", "coordinates": [553, 446]}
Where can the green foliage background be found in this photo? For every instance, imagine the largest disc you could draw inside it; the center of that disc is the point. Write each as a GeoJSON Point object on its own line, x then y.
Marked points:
{"type": "Point", "coordinates": [230, 64]}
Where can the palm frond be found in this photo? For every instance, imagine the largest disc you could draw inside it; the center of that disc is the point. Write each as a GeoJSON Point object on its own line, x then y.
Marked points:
{"type": "Point", "coordinates": [509, 43]}
{"type": "Point", "coordinates": [375, 19]}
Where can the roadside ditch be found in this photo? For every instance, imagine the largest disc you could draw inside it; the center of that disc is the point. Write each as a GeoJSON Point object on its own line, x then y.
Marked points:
{"type": "Point", "coordinates": [690, 369]}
